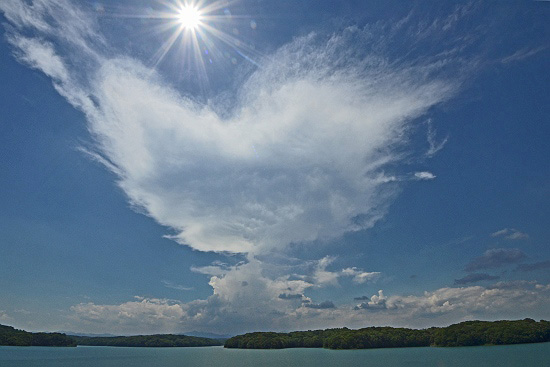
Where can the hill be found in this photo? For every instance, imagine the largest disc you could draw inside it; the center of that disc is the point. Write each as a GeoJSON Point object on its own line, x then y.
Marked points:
{"type": "Point", "coordinates": [15, 337]}
{"type": "Point", "coordinates": [467, 333]}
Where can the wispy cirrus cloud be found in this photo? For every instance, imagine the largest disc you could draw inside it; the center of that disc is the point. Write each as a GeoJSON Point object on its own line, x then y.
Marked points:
{"type": "Point", "coordinates": [359, 276]}
{"type": "Point", "coordinates": [522, 54]}
{"type": "Point", "coordinates": [179, 287]}
{"type": "Point", "coordinates": [435, 145]}
{"type": "Point", "coordinates": [510, 234]}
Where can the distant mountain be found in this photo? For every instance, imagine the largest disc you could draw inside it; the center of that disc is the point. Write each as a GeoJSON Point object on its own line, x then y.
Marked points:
{"type": "Point", "coordinates": [208, 335]}
{"type": "Point", "coordinates": [158, 340]}
{"type": "Point", "coordinates": [73, 333]}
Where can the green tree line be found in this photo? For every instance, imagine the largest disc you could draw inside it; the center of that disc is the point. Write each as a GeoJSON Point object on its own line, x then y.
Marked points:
{"type": "Point", "coordinates": [15, 337]}
{"type": "Point", "coordinates": [159, 340]}
{"type": "Point", "coordinates": [467, 333]}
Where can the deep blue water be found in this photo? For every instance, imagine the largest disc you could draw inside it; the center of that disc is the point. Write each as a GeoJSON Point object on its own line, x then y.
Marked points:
{"type": "Point", "coordinates": [492, 356]}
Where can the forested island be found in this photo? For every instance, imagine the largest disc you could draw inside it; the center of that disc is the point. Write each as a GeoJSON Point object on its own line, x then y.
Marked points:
{"type": "Point", "coordinates": [469, 333]}
{"type": "Point", "coordinates": [14, 337]}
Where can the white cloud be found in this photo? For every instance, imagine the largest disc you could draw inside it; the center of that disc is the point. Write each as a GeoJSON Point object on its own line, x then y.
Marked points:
{"type": "Point", "coordinates": [522, 54]}
{"type": "Point", "coordinates": [151, 314]}
{"type": "Point", "coordinates": [238, 308]}
{"type": "Point", "coordinates": [510, 234]}
{"type": "Point", "coordinates": [210, 270]}
{"type": "Point", "coordinates": [516, 235]}
{"type": "Point", "coordinates": [360, 276]}
{"type": "Point", "coordinates": [434, 145]}
{"type": "Point", "coordinates": [324, 277]}
{"type": "Point", "coordinates": [298, 158]}
{"type": "Point", "coordinates": [376, 302]}
{"type": "Point", "coordinates": [424, 175]}
{"type": "Point", "coordinates": [59, 20]}
{"type": "Point", "coordinates": [320, 276]}
{"type": "Point", "coordinates": [501, 232]}
{"type": "Point", "coordinates": [179, 287]}
{"type": "Point", "coordinates": [41, 55]}
{"type": "Point", "coordinates": [298, 162]}
{"type": "Point", "coordinates": [502, 298]}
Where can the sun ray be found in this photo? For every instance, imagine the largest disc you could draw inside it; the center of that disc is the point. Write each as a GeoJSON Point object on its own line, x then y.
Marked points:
{"type": "Point", "coordinates": [199, 33]}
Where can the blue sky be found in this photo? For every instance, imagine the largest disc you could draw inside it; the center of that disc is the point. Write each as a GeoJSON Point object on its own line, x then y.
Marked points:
{"type": "Point", "coordinates": [284, 165]}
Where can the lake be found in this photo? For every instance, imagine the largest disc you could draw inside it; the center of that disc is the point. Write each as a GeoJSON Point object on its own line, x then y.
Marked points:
{"type": "Point", "coordinates": [523, 355]}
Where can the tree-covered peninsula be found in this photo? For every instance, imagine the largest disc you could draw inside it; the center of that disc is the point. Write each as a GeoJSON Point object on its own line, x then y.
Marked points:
{"type": "Point", "coordinates": [159, 340]}
{"type": "Point", "coordinates": [15, 337]}
{"type": "Point", "coordinates": [469, 333]}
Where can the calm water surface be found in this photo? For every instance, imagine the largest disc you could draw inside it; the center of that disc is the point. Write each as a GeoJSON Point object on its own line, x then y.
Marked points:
{"type": "Point", "coordinates": [494, 356]}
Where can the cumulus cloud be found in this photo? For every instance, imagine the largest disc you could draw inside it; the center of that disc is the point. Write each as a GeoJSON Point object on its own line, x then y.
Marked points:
{"type": "Point", "coordinates": [233, 306]}
{"type": "Point", "coordinates": [504, 296]}
{"type": "Point", "coordinates": [221, 312]}
{"type": "Point", "coordinates": [376, 302]}
{"type": "Point", "coordinates": [510, 234]}
{"type": "Point", "coordinates": [322, 277]}
{"type": "Point", "coordinates": [496, 258]}
{"type": "Point", "coordinates": [156, 315]}
{"type": "Point", "coordinates": [475, 277]}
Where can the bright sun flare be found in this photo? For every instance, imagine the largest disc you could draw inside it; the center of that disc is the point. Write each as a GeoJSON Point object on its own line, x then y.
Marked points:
{"type": "Point", "coordinates": [189, 17]}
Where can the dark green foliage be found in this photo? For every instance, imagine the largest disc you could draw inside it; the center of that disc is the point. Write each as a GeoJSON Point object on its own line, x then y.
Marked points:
{"type": "Point", "coordinates": [496, 332]}
{"type": "Point", "coordinates": [463, 334]}
{"type": "Point", "coordinates": [160, 340]}
{"type": "Point", "coordinates": [374, 337]}
{"type": "Point", "coordinates": [14, 337]}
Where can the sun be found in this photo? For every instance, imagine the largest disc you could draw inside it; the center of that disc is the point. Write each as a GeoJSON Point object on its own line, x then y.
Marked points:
{"type": "Point", "coordinates": [198, 37]}
{"type": "Point", "coordinates": [189, 17]}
